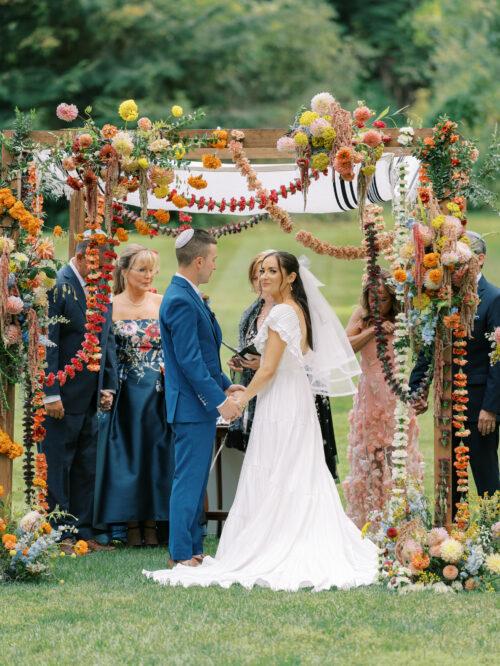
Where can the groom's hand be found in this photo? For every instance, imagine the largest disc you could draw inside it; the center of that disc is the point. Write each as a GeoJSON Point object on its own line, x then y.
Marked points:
{"type": "Point", "coordinates": [229, 410]}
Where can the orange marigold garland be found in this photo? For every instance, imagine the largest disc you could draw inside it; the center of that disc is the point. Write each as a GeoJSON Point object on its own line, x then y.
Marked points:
{"type": "Point", "coordinates": [40, 481]}
{"type": "Point", "coordinates": [459, 419]}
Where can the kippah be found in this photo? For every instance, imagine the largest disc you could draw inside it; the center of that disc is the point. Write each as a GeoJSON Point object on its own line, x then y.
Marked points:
{"type": "Point", "coordinates": [183, 238]}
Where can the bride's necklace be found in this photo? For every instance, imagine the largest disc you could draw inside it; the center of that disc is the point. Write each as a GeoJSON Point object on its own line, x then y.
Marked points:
{"type": "Point", "coordinates": [135, 304]}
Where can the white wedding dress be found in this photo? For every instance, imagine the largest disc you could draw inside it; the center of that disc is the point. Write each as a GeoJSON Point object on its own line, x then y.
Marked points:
{"type": "Point", "coordinates": [286, 529]}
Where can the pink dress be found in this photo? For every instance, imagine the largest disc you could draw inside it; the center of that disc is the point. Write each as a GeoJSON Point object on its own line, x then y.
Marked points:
{"type": "Point", "coordinates": [371, 432]}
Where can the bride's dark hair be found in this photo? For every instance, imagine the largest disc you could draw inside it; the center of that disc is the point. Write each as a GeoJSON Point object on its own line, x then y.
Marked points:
{"type": "Point", "coordinates": [290, 264]}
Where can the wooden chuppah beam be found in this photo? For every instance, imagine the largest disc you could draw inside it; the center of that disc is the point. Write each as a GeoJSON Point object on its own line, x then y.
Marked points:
{"type": "Point", "coordinates": [258, 143]}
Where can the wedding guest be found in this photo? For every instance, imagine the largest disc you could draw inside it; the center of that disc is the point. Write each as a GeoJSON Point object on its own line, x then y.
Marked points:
{"type": "Point", "coordinates": [371, 420]}
{"type": "Point", "coordinates": [135, 455]}
{"type": "Point", "coordinates": [251, 321]}
{"type": "Point", "coordinates": [483, 383]}
{"type": "Point", "coordinates": [71, 440]}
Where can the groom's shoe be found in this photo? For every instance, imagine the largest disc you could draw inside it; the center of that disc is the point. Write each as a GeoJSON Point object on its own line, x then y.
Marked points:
{"type": "Point", "coordinates": [185, 563]}
{"type": "Point", "coordinates": [199, 558]}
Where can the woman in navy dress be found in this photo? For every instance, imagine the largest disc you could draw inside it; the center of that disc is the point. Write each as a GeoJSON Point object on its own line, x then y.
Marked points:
{"type": "Point", "coordinates": [135, 454]}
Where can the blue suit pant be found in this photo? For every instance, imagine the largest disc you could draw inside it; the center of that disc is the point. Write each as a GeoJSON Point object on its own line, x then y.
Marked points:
{"type": "Point", "coordinates": [193, 445]}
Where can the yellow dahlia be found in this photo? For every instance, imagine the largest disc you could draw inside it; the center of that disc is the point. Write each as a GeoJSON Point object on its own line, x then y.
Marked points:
{"type": "Point", "coordinates": [451, 550]}
{"type": "Point", "coordinates": [177, 111]}
{"type": "Point", "coordinates": [128, 110]}
{"type": "Point", "coordinates": [493, 563]}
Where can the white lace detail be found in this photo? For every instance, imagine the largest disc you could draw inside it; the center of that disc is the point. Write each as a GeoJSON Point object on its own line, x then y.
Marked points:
{"type": "Point", "coordinates": [284, 320]}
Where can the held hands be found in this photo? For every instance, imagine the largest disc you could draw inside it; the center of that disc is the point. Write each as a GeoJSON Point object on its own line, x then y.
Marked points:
{"type": "Point", "coordinates": [229, 410]}
{"type": "Point", "coordinates": [55, 409]}
{"type": "Point", "coordinates": [487, 422]}
{"type": "Point", "coordinates": [106, 400]}
{"type": "Point", "coordinates": [420, 406]}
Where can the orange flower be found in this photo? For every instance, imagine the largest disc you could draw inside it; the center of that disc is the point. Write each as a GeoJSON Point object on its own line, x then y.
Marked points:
{"type": "Point", "coordinates": [9, 541]}
{"type": "Point", "coordinates": [211, 161]}
{"type": "Point", "coordinates": [220, 138]}
{"type": "Point", "coordinates": [3, 525]}
{"type": "Point", "coordinates": [2, 490]}
{"type": "Point", "coordinates": [81, 547]}
{"type": "Point", "coordinates": [431, 260]}
{"type": "Point", "coordinates": [179, 201]}
{"type": "Point", "coordinates": [429, 141]}
{"type": "Point", "coordinates": [420, 561]}
{"type": "Point", "coordinates": [45, 249]}
{"type": "Point", "coordinates": [399, 275]}
{"type": "Point", "coordinates": [436, 275]}
{"type": "Point", "coordinates": [197, 182]}
{"type": "Point", "coordinates": [46, 528]}
{"type": "Point", "coordinates": [109, 131]}
{"type": "Point", "coordinates": [57, 231]}
{"type": "Point", "coordinates": [122, 235]}
{"type": "Point", "coordinates": [142, 227]}
{"type": "Point", "coordinates": [39, 483]}
{"type": "Point", "coordinates": [162, 216]}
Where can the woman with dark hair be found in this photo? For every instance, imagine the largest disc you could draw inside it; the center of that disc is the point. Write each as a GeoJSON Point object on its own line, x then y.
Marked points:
{"type": "Point", "coordinates": [368, 485]}
{"type": "Point", "coordinates": [250, 324]}
{"type": "Point", "coordinates": [286, 529]}
{"type": "Point", "coordinates": [135, 454]}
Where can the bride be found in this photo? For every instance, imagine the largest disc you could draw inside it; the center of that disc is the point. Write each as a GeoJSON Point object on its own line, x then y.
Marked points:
{"type": "Point", "coordinates": [286, 529]}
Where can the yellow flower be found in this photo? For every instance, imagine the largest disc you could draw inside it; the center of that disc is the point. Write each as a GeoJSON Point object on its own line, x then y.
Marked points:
{"type": "Point", "coordinates": [493, 563]}
{"type": "Point", "coordinates": [328, 135]}
{"type": "Point", "coordinates": [451, 550]}
{"type": "Point", "coordinates": [421, 302]}
{"type": "Point", "coordinates": [453, 208]}
{"type": "Point", "coordinates": [320, 161]}
{"type": "Point", "coordinates": [177, 111]}
{"type": "Point", "coordinates": [128, 110]}
{"type": "Point", "coordinates": [161, 192]}
{"type": "Point", "coordinates": [365, 528]}
{"type": "Point", "coordinates": [179, 151]}
{"type": "Point", "coordinates": [301, 139]}
{"type": "Point", "coordinates": [143, 163]}
{"type": "Point", "coordinates": [327, 118]}
{"type": "Point", "coordinates": [12, 552]}
{"type": "Point", "coordinates": [368, 170]}
{"type": "Point", "coordinates": [318, 142]}
{"type": "Point", "coordinates": [307, 117]}
{"type": "Point", "coordinates": [438, 221]}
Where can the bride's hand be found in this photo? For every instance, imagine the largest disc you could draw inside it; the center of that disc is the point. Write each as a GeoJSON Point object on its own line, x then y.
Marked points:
{"type": "Point", "coordinates": [239, 398]}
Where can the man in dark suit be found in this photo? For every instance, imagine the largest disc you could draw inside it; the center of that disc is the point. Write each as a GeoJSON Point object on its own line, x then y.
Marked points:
{"type": "Point", "coordinates": [483, 385]}
{"type": "Point", "coordinates": [71, 441]}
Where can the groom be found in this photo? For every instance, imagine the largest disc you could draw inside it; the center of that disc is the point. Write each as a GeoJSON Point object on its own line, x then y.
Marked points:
{"type": "Point", "coordinates": [196, 388]}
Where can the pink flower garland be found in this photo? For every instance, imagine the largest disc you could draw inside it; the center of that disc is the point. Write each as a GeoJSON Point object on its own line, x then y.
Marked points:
{"type": "Point", "coordinates": [254, 184]}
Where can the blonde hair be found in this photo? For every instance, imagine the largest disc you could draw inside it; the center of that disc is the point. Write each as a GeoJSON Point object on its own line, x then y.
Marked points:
{"type": "Point", "coordinates": [130, 255]}
{"type": "Point", "coordinates": [257, 260]}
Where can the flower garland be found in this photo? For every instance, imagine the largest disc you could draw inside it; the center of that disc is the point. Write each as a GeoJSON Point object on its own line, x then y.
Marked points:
{"type": "Point", "coordinates": [217, 232]}
{"type": "Point", "coordinates": [348, 252]}
{"type": "Point", "coordinates": [246, 170]}
{"type": "Point", "coordinates": [40, 480]}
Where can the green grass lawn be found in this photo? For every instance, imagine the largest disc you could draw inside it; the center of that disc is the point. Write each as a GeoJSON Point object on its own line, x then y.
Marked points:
{"type": "Point", "coordinates": [105, 613]}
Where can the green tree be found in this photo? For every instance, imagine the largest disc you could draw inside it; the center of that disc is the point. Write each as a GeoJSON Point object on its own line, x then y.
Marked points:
{"type": "Point", "coordinates": [248, 62]}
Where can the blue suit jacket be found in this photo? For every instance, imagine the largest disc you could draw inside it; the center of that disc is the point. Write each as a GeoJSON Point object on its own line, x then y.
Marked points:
{"type": "Point", "coordinates": [191, 339]}
{"type": "Point", "coordinates": [67, 300]}
{"type": "Point", "coordinates": [483, 380]}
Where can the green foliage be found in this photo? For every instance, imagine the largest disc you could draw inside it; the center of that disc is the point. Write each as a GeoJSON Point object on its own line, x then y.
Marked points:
{"type": "Point", "coordinates": [243, 60]}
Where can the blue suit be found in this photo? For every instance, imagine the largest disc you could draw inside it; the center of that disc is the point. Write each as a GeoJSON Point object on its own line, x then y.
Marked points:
{"type": "Point", "coordinates": [70, 444]}
{"type": "Point", "coordinates": [194, 388]}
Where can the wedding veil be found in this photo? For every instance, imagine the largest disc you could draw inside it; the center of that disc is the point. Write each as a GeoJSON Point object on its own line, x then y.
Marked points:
{"type": "Point", "coordinates": [331, 364]}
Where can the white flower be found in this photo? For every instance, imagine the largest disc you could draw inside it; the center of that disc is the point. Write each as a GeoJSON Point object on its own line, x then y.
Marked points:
{"type": "Point", "coordinates": [322, 102]}
{"type": "Point", "coordinates": [122, 143]}
{"type": "Point", "coordinates": [406, 135]}
{"type": "Point", "coordinates": [442, 588]}
{"type": "Point", "coordinates": [30, 521]}
{"type": "Point", "coordinates": [159, 146]}
{"type": "Point", "coordinates": [457, 585]}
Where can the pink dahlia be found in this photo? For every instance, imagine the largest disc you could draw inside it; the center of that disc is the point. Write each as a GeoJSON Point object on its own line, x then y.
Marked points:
{"type": "Point", "coordinates": [14, 305]}
{"type": "Point", "coordinates": [450, 572]}
{"type": "Point", "coordinates": [372, 138]}
{"type": "Point", "coordinates": [144, 124]}
{"type": "Point", "coordinates": [285, 144]}
{"type": "Point", "coordinates": [362, 114]}
{"type": "Point", "coordinates": [67, 112]}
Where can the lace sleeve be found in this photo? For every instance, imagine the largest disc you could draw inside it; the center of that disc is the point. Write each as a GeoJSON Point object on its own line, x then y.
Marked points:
{"type": "Point", "coordinates": [282, 319]}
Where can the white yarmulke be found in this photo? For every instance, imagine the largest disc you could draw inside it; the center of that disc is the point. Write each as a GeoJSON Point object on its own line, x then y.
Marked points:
{"type": "Point", "coordinates": [183, 238]}
{"type": "Point", "coordinates": [88, 233]}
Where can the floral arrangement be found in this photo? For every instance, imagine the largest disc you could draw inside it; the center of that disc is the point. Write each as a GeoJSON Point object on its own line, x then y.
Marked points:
{"type": "Point", "coordinates": [415, 556]}
{"type": "Point", "coordinates": [446, 160]}
{"type": "Point", "coordinates": [8, 447]}
{"type": "Point", "coordinates": [494, 338]}
{"type": "Point", "coordinates": [326, 135]}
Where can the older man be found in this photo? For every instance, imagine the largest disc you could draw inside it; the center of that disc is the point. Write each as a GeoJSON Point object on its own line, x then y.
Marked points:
{"type": "Point", "coordinates": [483, 384]}
{"type": "Point", "coordinates": [71, 440]}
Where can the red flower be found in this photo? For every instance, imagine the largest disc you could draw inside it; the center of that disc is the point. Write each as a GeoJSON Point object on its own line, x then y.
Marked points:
{"type": "Point", "coordinates": [392, 532]}
{"type": "Point", "coordinates": [379, 123]}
